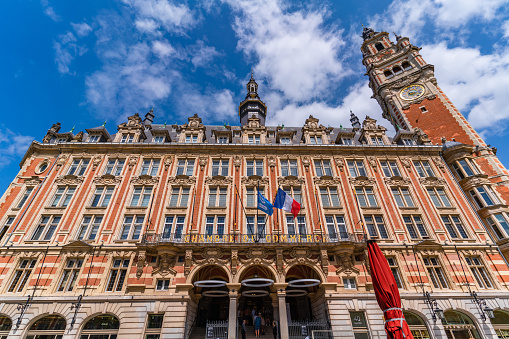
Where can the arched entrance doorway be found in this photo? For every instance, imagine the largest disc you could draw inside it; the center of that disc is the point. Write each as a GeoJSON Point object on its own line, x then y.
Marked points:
{"type": "Point", "coordinates": [49, 327]}
{"type": "Point", "coordinates": [417, 325]}
{"type": "Point", "coordinates": [501, 324]}
{"type": "Point", "coordinates": [304, 302]}
{"type": "Point", "coordinates": [210, 287]}
{"type": "Point", "coordinates": [5, 326]}
{"type": "Point", "coordinates": [459, 326]}
{"type": "Point", "coordinates": [104, 326]}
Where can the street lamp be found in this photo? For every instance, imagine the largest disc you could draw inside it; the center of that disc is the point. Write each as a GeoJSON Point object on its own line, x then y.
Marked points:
{"type": "Point", "coordinates": [483, 307]}
{"type": "Point", "coordinates": [436, 312]}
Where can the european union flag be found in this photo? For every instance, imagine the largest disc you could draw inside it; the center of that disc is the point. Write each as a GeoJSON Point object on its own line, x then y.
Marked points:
{"type": "Point", "coordinates": [264, 205]}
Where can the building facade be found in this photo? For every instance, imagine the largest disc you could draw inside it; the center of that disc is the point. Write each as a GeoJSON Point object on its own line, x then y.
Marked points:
{"type": "Point", "coordinates": [153, 232]}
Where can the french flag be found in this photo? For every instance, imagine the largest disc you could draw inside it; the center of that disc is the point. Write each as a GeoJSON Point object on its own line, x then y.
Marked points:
{"type": "Point", "coordinates": [286, 203]}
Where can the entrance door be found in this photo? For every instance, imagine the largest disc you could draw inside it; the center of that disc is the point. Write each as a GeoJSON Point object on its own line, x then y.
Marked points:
{"type": "Point", "coordinates": [261, 305]}
{"type": "Point", "coordinates": [212, 309]}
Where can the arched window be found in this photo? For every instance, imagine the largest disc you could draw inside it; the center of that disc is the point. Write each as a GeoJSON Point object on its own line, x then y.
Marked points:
{"type": "Point", "coordinates": [104, 326]}
{"type": "Point", "coordinates": [406, 65]}
{"type": "Point", "coordinates": [397, 70]}
{"type": "Point", "coordinates": [49, 327]}
{"type": "Point", "coordinates": [417, 326]}
{"type": "Point", "coordinates": [501, 324]}
{"type": "Point", "coordinates": [458, 325]}
{"type": "Point", "coordinates": [388, 74]}
{"type": "Point", "coordinates": [5, 326]}
{"type": "Point", "coordinates": [379, 46]}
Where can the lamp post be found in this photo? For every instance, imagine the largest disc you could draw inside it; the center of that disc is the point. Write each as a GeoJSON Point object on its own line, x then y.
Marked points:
{"type": "Point", "coordinates": [484, 309]}
{"type": "Point", "coordinates": [436, 311]}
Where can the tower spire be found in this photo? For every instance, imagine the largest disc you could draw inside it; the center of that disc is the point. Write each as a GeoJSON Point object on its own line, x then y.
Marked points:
{"type": "Point", "coordinates": [252, 106]}
{"type": "Point", "coordinates": [354, 120]}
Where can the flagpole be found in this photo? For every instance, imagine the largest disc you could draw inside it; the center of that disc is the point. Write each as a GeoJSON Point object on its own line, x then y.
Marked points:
{"type": "Point", "coordinates": [192, 210]}
{"type": "Point", "coordinates": [257, 199]}
{"type": "Point", "coordinates": [360, 214]}
{"type": "Point", "coordinates": [243, 209]}
{"type": "Point", "coordinates": [235, 214]}
{"type": "Point", "coordinates": [318, 211]}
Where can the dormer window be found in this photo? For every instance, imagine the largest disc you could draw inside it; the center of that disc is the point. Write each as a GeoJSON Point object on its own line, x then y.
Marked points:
{"type": "Point", "coordinates": [408, 141]}
{"type": "Point", "coordinates": [159, 139]}
{"type": "Point", "coordinates": [61, 140]}
{"type": "Point", "coordinates": [316, 140]}
{"type": "Point", "coordinates": [94, 138]}
{"type": "Point", "coordinates": [379, 46]}
{"type": "Point", "coordinates": [254, 139]}
{"type": "Point", "coordinates": [377, 141]}
{"type": "Point", "coordinates": [347, 141]}
{"type": "Point", "coordinates": [285, 140]}
{"type": "Point", "coordinates": [191, 138]}
{"type": "Point", "coordinates": [223, 139]}
{"type": "Point", "coordinates": [127, 138]}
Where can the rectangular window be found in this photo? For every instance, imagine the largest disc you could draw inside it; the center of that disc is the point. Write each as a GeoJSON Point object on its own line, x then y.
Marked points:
{"type": "Point", "coordinates": [179, 196]}
{"type": "Point", "coordinates": [24, 197]}
{"type": "Point", "coordinates": [141, 196]}
{"type": "Point", "coordinates": [117, 276]}
{"type": "Point", "coordinates": [290, 224]}
{"type": "Point", "coordinates": [159, 138]}
{"type": "Point", "coordinates": [376, 227]}
{"type": "Point", "coordinates": [46, 228]}
{"type": "Point", "coordinates": [349, 284]}
{"type": "Point", "coordinates": [185, 167]}
{"type": "Point", "coordinates": [323, 168]}
{"type": "Point", "coordinates": [365, 197]}
{"type": "Point", "coordinates": [454, 227]}
{"type": "Point", "coordinates": [217, 197]}
{"type": "Point", "coordinates": [407, 142]}
{"type": "Point", "coordinates": [462, 169]}
{"type": "Point", "coordinates": [251, 196]}
{"type": "Point", "coordinates": [289, 167]}
{"type": "Point", "coordinates": [299, 222]}
{"type": "Point", "coordinates": [94, 138]}
{"type": "Point", "coordinates": [215, 225]}
{"type": "Point", "coordinates": [424, 169]}
{"type": "Point", "coordinates": [63, 196]}
{"type": "Point", "coordinates": [301, 225]}
{"type": "Point", "coordinates": [336, 227]}
{"type": "Point", "coordinates": [220, 167]}
{"type": "Point", "coordinates": [402, 197]}
{"type": "Point", "coordinates": [479, 272]}
{"type": "Point", "coordinates": [415, 227]}
{"type": "Point", "coordinates": [61, 140]}
{"type": "Point", "coordinates": [102, 196]}
{"type": "Point", "coordinates": [316, 140]}
{"type": "Point", "coordinates": [347, 141]}
{"type": "Point", "coordinates": [435, 272]}
{"type": "Point", "coordinates": [6, 226]}
{"type": "Point", "coordinates": [356, 168]}
{"type": "Point", "coordinates": [70, 275]}
{"type": "Point", "coordinates": [254, 226]}
{"type": "Point", "coordinates": [390, 168]}
{"type": "Point", "coordinates": [395, 271]}
{"type": "Point", "coordinates": [21, 275]}
{"type": "Point", "coordinates": [89, 227]}
{"type": "Point", "coordinates": [191, 138]}
{"type": "Point", "coordinates": [114, 166]}
{"type": "Point", "coordinates": [175, 223]}
{"type": "Point", "coordinates": [484, 196]}
{"type": "Point", "coordinates": [377, 141]}
{"type": "Point", "coordinates": [150, 167]}
{"type": "Point", "coordinates": [294, 192]}
{"type": "Point", "coordinates": [329, 196]}
{"type": "Point", "coordinates": [163, 285]}
{"type": "Point", "coordinates": [254, 167]}
{"type": "Point", "coordinates": [253, 139]}
{"type": "Point", "coordinates": [132, 227]}
{"type": "Point", "coordinates": [154, 325]}
{"type": "Point", "coordinates": [285, 140]}
{"type": "Point", "coordinates": [499, 225]}
{"type": "Point", "coordinates": [127, 138]}
{"type": "Point", "coordinates": [438, 197]}
{"type": "Point", "coordinates": [222, 139]}
{"type": "Point", "coordinates": [78, 167]}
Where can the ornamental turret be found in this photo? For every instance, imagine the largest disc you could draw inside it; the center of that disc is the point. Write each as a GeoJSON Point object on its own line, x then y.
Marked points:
{"type": "Point", "coordinates": [252, 106]}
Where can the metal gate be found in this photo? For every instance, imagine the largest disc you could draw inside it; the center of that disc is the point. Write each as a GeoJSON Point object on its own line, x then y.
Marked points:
{"type": "Point", "coordinates": [304, 329]}
{"type": "Point", "coordinates": [216, 330]}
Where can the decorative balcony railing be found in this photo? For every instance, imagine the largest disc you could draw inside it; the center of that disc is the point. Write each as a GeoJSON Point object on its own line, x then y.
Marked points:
{"type": "Point", "coordinates": [163, 238]}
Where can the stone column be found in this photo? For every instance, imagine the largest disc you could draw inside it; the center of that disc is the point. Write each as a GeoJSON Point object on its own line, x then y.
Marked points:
{"type": "Point", "coordinates": [283, 318]}
{"type": "Point", "coordinates": [232, 314]}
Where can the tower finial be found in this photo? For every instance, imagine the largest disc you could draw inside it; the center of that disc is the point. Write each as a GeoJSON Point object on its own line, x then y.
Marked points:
{"type": "Point", "coordinates": [252, 73]}
{"type": "Point", "coordinates": [397, 36]}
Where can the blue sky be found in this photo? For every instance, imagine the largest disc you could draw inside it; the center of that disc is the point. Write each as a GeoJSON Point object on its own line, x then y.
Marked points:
{"type": "Point", "coordinates": [85, 62]}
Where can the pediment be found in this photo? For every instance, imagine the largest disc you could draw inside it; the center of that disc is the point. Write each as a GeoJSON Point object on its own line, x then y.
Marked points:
{"type": "Point", "coordinates": [77, 245]}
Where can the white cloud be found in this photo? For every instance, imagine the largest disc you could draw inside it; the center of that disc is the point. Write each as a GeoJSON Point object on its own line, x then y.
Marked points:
{"type": "Point", "coordinates": [66, 49]}
{"type": "Point", "coordinates": [82, 29]}
{"type": "Point", "coordinates": [202, 55]}
{"type": "Point", "coordinates": [505, 27]}
{"type": "Point", "coordinates": [49, 11]}
{"type": "Point", "coordinates": [12, 145]}
{"type": "Point", "coordinates": [162, 48]}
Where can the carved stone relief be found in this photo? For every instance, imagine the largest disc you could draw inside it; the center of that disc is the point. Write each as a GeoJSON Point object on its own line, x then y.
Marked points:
{"type": "Point", "coordinates": [432, 181]}
{"type": "Point", "coordinates": [248, 181]}
{"type": "Point", "coordinates": [69, 180]}
{"type": "Point", "coordinates": [360, 181]}
{"type": "Point", "coordinates": [182, 181]}
{"type": "Point", "coordinates": [107, 180]}
{"type": "Point", "coordinates": [168, 160]}
{"type": "Point", "coordinates": [290, 181]}
{"type": "Point", "coordinates": [142, 180]}
{"type": "Point", "coordinates": [218, 180]}
{"type": "Point", "coordinates": [165, 264]}
{"type": "Point", "coordinates": [340, 163]}
{"type": "Point", "coordinates": [397, 181]}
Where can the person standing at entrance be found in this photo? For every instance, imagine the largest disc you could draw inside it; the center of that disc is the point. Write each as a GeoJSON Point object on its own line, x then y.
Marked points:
{"type": "Point", "coordinates": [274, 329]}
{"type": "Point", "coordinates": [243, 330]}
{"type": "Point", "coordinates": [257, 324]}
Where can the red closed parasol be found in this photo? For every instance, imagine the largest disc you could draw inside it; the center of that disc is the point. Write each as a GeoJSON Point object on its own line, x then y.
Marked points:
{"type": "Point", "coordinates": [387, 294]}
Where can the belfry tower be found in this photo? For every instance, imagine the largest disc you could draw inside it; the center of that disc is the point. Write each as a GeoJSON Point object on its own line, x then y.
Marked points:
{"type": "Point", "coordinates": [405, 86]}
{"type": "Point", "coordinates": [252, 106]}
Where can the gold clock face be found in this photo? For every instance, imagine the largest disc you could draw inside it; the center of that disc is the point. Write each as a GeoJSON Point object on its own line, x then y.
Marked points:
{"type": "Point", "coordinates": [411, 92]}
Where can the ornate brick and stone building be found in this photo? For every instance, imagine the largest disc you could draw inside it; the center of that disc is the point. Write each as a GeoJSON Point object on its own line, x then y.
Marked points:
{"type": "Point", "coordinates": [153, 231]}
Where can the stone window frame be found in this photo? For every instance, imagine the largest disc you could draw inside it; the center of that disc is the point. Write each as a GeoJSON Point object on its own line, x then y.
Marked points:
{"type": "Point", "coordinates": [337, 232]}
{"type": "Point", "coordinates": [376, 226]}
{"type": "Point", "coordinates": [103, 194]}
{"type": "Point", "coordinates": [459, 235]}
{"type": "Point", "coordinates": [422, 168]}
{"type": "Point", "coordinates": [17, 268]}
{"type": "Point", "coordinates": [220, 166]}
{"type": "Point", "coordinates": [395, 265]}
{"type": "Point", "coordinates": [219, 189]}
{"type": "Point", "coordinates": [46, 228]}
{"type": "Point", "coordinates": [439, 267]}
{"type": "Point", "coordinates": [74, 275]}
{"type": "Point", "coordinates": [389, 167]}
{"type": "Point", "coordinates": [256, 224]}
{"type": "Point", "coordinates": [142, 196]}
{"type": "Point", "coordinates": [402, 197]}
{"type": "Point", "coordinates": [479, 198]}
{"type": "Point", "coordinates": [115, 167]}
{"type": "Point", "coordinates": [22, 200]}
{"type": "Point", "coordinates": [6, 225]}
{"type": "Point", "coordinates": [459, 169]}
{"type": "Point", "coordinates": [132, 227]}
{"type": "Point", "coordinates": [322, 167]}
{"type": "Point", "coordinates": [58, 202]}
{"type": "Point", "coordinates": [330, 205]}
{"type": "Point", "coordinates": [296, 224]}
{"type": "Point", "coordinates": [121, 267]}
{"type": "Point", "coordinates": [128, 138]}
{"type": "Point", "coordinates": [288, 160]}
{"type": "Point", "coordinates": [494, 222]}
{"type": "Point", "coordinates": [416, 228]}
{"type": "Point", "coordinates": [355, 162]}
{"type": "Point", "coordinates": [255, 160]}
{"type": "Point", "coordinates": [215, 223]}
{"type": "Point", "coordinates": [154, 331]}
{"type": "Point", "coordinates": [81, 168]}
{"type": "Point", "coordinates": [151, 166]}
{"type": "Point", "coordinates": [366, 196]}
{"type": "Point", "coordinates": [185, 166]}
{"type": "Point", "coordinates": [87, 229]}
{"type": "Point", "coordinates": [174, 224]}
{"type": "Point", "coordinates": [437, 194]}
{"type": "Point", "coordinates": [91, 138]}
{"type": "Point", "coordinates": [179, 204]}
{"type": "Point", "coordinates": [481, 273]}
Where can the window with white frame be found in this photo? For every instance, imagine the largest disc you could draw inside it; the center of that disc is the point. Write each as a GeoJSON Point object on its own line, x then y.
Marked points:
{"type": "Point", "coordinates": [141, 196]}
{"type": "Point", "coordinates": [395, 271]}
{"type": "Point", "coordinates": [329, 196]}
{"type": "Point", "coordinates": [323, 168]}
{"type": "Point", "coordinates": [78, 167]}
{"type": "Point", "coordinates": [454, 226]}
{"type": "Point", "coordinates": [214, 224]}
{"type": "Point", "coordinates": [217, 196]}
{"type": "Point", "coordinates": [63, 196]}
{"type": "Point", "coordinates": [356, 168]}
{"type": "Point", "coordinates": [349, 284]}
{"type": "Point", "coordinates": [499, 225]}
{"type": "Point", "coordinates": [415, 227]}
{"type": "Point", "coordinates": [185, 167]}
{"type": "Point", "coordinates": [435, 272]}
{"type": "Point", "coordinates": [253, 139]}
{"type": "Point", "coordinates": [479, 272]}
{"type": "Point", "coordinates": [223, 139]}
{"type": "Point", "coordinates": [254, 167]}
{"type": "Point", "coordinates": [21, 275]}
{"type": "Point", "coordinates": [62, 140]}
{"type": "Point", "coordinates": [90, 227]}
{"type": "Point", "coordinates": [159, 138]}
{"type": "Point", "coordinates": [464, 168]}
{"type": "Point", "coordinates": [114, 166]}
{"type": "Point", "coordinates": [131, 228]}
{"type": "Point", "coordinates": [289, 167]}
{"type": "Point", "coordinates": [46, 228]}
{"type": "Point", "coordinates": [220, 167]}
{"type": "Point", "coordinates": [117, 276]}
{"type": "Point", "coordinates": [315, 139]}
{"type": "Point", "coordinates": [376, 227]}
{"type": "Point", "coordinates": [484, 196]}
{"type": "Point", "coordinates": [173, 225]}
{"type": "Point", "coordinates": [377, 141]}
{"type": "Point", "coordinates": [366, 197]}
{"type": "Point", "coordinates": [127, 138]}
{"type": "Point", "coordinates": [24, 197]}
{"type": "Point", "coordinates": [102, 196]}
{"type": "Point", "coordinates": [390, 168]}
{"type": "Point", "coordinates": [402, 197]}
{"type": "Point", "coordinates": [285, 140]}
{"type": "Point", "coordinates": [94, 138]}
{"type": "Point", "coordinates": [336, 227]}
{"type": "Point", "coordinates": [298, 223]}
{"type": "Point", "coordinates": [191, 138]}
{"type": "Point", "coordinates": [70, 275]}
{"type": "Point", "coordinates": [163, 285]}
{"type": "Point", "coordinates": [439, 197]}
{"type": "Point", "coordinates": [255, 226]}
{"type": "Point", "coordinates": [149, 167]}
{"type": "Point", "coordinates": [347, 141]}
{"type": "Point", "coordinates": [7, 225]}
{"type": "Point", "coordinates": [154, 326]}
{"type": "Point", "coordinates": [179, 196]}
{"type": "Point", "coordinates": [295, 192]}
{"type": "Point", "coordinates": [424, 169]}
{"type": "Point", "coordinates": [408, 141]}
